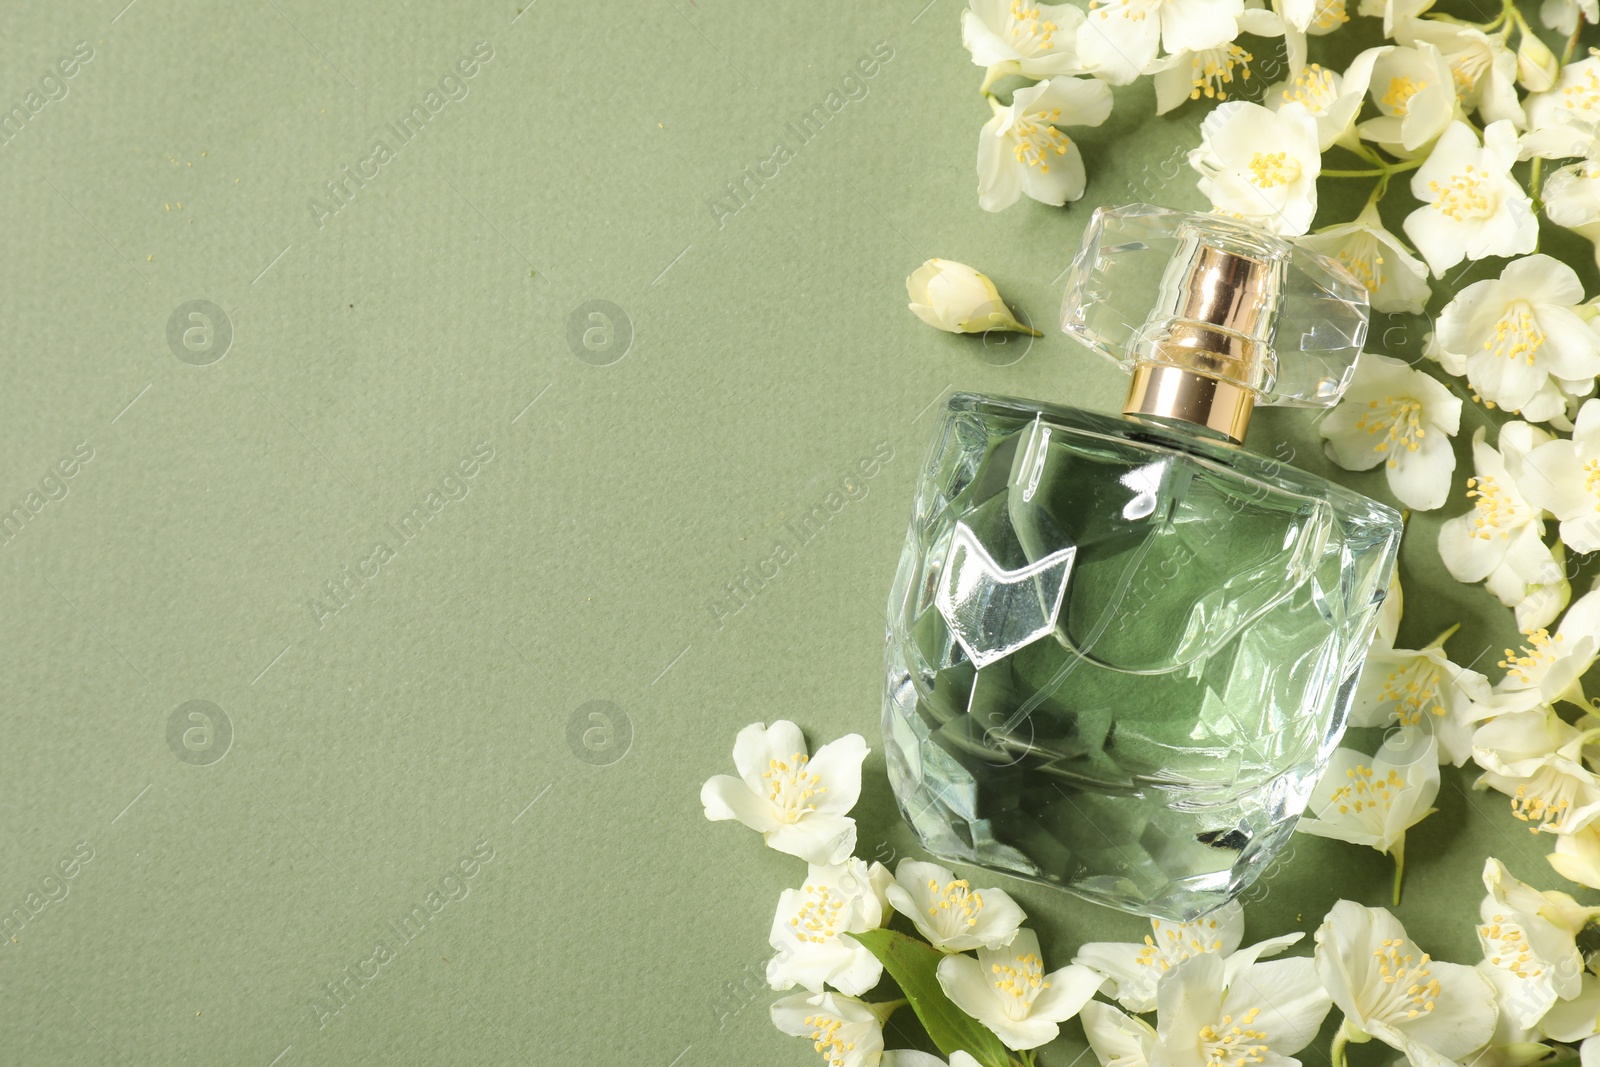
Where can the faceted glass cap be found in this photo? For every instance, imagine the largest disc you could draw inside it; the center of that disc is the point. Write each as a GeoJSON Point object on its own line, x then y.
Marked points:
{"type": "Point", "coordinates": [1219, 297]}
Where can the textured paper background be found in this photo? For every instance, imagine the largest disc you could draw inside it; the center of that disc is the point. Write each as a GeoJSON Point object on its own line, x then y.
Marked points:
{"type": "Point", "coordinates": [444, 709]}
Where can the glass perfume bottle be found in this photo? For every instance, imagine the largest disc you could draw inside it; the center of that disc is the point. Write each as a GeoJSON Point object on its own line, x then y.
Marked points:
{"type": "Point", "coordinates": [1122, 649]}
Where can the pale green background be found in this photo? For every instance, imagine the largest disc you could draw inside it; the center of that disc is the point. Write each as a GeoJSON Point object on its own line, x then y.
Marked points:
{"type": "Point", "coordinates": [770, 354]}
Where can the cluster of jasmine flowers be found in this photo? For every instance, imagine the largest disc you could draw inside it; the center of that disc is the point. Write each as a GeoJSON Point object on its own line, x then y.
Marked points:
{"type": "Point", "coordinates": [1190, 994]}
{"type": "Point", "coordinates": [800, 804]}
{"type": "Point", "coordinates": [1261, 161]}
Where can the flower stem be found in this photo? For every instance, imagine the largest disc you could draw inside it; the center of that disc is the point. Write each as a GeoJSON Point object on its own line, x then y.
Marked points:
{"type": "Point", "coordinates": [1382, 170]}
{"type": "Point", "coordinates": [1536, 171]}
{"type": "Point", "coordinates": [1336, 1050]}
{"type": "Point", "coordinates": [1399, 874]}
{"type": "Point", "coordinates": [1376, 195]}
{"type": "Point", "coordinates": [1572, 41]}
{"type": "Point", "coordinates": [996, 72]}
{"type": "Point", "coordinates": [1368, 154]}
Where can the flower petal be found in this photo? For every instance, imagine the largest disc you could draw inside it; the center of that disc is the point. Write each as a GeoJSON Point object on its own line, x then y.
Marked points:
{"type": "Point", "coordinates": [999, 179]}
{"type": "Point", "coordinates": [1116, 46]}
{"type": "Point", "coordinates": [963, 981]}
{"type": "Point", "coordinates": [1465, 553]}
{"type": "Point", "coordinates": [1463, 1017]}
{"type": "Point", "coordinates": [1065, 993]}
{"type": "Point", "coordinates": [727, 797]}
{"type": "Point", "coordinates": [1291, 1000]}
{"type": "Point", "coordinates": [1063, 182]}
{"type": "Point", "coordinates": [838, 765]}
{"type": "Point", "coordinates": [1421, 479]}
{"type": "Point", "coordinates": [999, 920]}
{"type": "Point", "coordinates": [819, 837]}
{"type": "Point", "coordinates": [1118, 1040]}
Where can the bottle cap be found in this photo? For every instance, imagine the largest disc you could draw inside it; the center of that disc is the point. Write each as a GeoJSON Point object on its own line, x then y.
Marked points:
{"type": "Point", "coordinates": [1213, 316]}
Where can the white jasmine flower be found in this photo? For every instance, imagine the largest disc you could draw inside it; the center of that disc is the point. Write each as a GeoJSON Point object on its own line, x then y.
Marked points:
{"type": "Point", "coordinates": [798, 802]}
{"type": "Point", "coordinates": [1209, 1014]}
{"type": "Point", "coordinates": [953, 297]}
{"type": "Point", "coordinates": [1549, 669]}
{"type": "Point", "coordinates": [1564, 120]}
{"type": "Point", "coordinates": [1532, 936]}
{"type": "Point", "coordinates": [1577, 857]}
{"type": "Point", "coordinates": [1484, 69]}
{"type": "Point", "coordinates": [1572, 198]}
{"type": "Point", "coordinates": [1513, 1045]}
{"type": "Point", "coordinates": [846, 1031]}
{"type": "Point", "coordinates": [1132, 970]}
{"type": "Point", "coordinates": [1500, 542]}
{"type": "Point", "coordinates": [1260, 165]}
{"type": "Point", "coordinates": [1472, 206]}
{"type": "Point", "coordinates": [1395, 279]}
{"type": "Point", "coordinates": [1331, 98]}
{"type": "Point", "coordinates": [1400, 417]}
{"type": "Point", "coordinates": [1118, 1040]}
{"type": "Point", "coordinates": [1537, 760]}
{"type": "Point", "coordinates": [1552, 404]}
{"type": "Point", "coordinates": [1007, 990]}
{"type": "Point", "coordinates": [1562, 15]}
{"type": "Point", "coordinates": [1020, 149]}
{"type": "Point", "coordinates": [808, 929]}
{"type": "Point", "coordinates": [1390, 989]}
{"type": "Point", "coordinates": [1537, 66]}
{"type": "Point", "coordinates": [1415, 93]}
{"type": "Point", "coordinates": [1422, 691]}
{"type": "Point", "coordinates": [1577, 1019]}
{"type": "Point", "coordinates": [1121, 37]}
{"type": "Point", "coordinates": [1563, 477]}
{"type": "Point", "coordinates": [1512, 334]}
{"type": "Point", "coordinates": [1020, 37]}
{"type": "Point", "coordinates": [1208, 72]}
{"type": "Point", "coordinates": [1374, 800]}
{"type": "Point", "coordinates": [948, 912]}
{"type": "Point", "coordinates": [1539, 608]}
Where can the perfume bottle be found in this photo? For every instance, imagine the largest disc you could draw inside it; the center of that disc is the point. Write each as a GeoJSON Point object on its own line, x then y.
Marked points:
{"type": "Point", "coordinates": [1122, 648]}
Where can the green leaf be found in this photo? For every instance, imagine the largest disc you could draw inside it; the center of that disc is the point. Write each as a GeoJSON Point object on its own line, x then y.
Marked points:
{"type": "Point", "coordinates": [914, 965]}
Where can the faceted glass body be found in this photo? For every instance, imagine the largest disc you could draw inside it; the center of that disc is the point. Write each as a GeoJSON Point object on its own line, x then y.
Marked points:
{"type": "Point", "coordinates": [1120, 653]}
